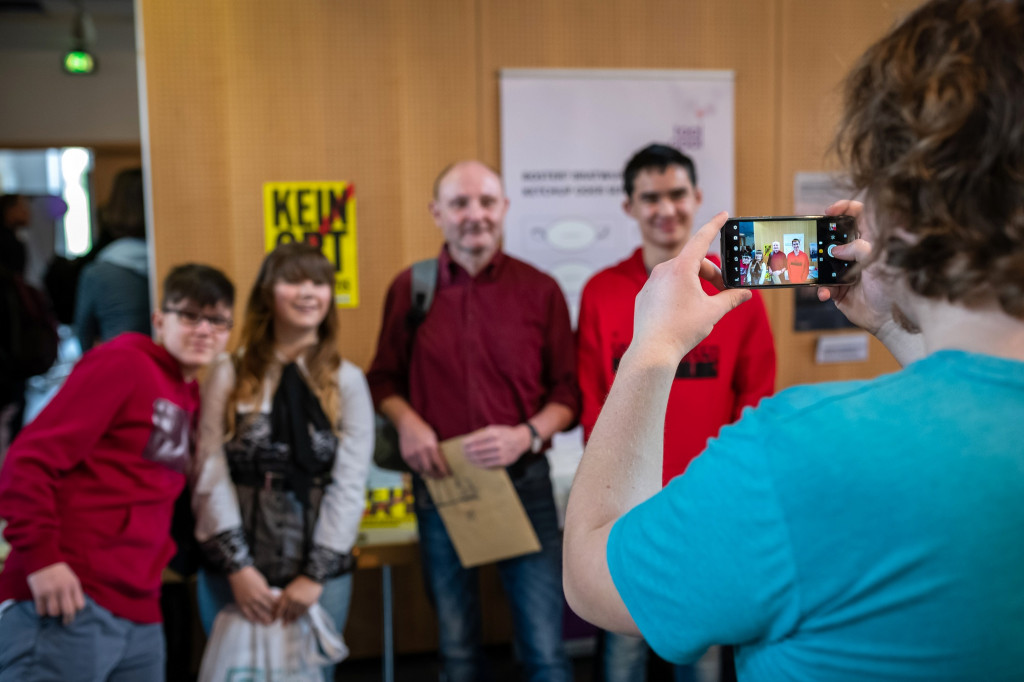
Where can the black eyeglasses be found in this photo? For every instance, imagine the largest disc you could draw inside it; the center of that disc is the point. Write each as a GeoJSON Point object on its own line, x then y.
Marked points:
{"type": "Point", "coordinates": [192, 319]}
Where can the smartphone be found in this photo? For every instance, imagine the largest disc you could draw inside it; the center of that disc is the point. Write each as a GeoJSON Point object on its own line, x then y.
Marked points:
{"type": "Point", "coordinates": [785, 251]}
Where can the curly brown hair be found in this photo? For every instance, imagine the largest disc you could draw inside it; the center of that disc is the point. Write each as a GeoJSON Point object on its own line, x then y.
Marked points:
{"type": "Point", "coordinates": [292, 262]}
{"type": "Point", "coordinates": [933, 130]}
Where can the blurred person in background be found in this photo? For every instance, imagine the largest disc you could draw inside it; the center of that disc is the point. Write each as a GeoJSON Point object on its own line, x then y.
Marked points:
{"type": "Point", "coordinates": [28, 332]}
{"type": "Point", "coordinates": [113, 290]}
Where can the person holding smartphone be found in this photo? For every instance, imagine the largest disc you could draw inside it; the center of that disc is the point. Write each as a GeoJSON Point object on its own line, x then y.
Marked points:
{"type": "Point", "coordinates": [885, 540]}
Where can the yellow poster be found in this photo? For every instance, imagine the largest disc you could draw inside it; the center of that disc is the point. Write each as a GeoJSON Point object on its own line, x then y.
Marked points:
{"type": "Point", "coordinates": [321, 213]}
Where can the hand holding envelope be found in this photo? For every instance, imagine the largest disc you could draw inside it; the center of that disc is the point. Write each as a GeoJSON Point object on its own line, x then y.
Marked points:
{"type": "Point", "coordinates": [474, 503]}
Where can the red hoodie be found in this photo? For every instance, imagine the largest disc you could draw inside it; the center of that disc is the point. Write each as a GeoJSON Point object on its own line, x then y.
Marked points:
{"type": "Point", "coordinates": [93, 479]}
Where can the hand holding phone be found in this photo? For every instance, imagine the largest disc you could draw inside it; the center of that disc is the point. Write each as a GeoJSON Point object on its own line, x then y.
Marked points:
{"type": "Point", "coordinates": [869, 302]}
{"type": "Point", "coordinates": [785, 251]}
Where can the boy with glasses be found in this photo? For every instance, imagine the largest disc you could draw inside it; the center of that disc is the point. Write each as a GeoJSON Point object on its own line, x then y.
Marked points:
{"type": "Point", "coordinates": [88, 492]}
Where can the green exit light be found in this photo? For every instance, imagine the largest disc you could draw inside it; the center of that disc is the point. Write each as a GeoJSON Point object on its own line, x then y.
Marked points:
{"type": "Point", "coordinates": [79, 61]}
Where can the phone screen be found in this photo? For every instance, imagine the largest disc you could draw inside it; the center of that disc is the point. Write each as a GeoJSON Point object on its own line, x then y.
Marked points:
{"type": "Point", "coordinates": [779, 251]}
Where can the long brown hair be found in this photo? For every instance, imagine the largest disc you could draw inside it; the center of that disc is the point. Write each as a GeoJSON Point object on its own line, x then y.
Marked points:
{"type": "Point", "coordinates": [756, 268]}
{"type": "Point", "coordinates": [293, 262]}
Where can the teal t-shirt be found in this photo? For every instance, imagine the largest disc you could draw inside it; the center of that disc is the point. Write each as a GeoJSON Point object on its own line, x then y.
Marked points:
{"type": "Point", "coordinates": [869, 530]}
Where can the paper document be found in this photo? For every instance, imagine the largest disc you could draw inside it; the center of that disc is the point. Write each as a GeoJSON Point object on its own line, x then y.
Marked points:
{"type": "Point", "coordinates": [481, 511]}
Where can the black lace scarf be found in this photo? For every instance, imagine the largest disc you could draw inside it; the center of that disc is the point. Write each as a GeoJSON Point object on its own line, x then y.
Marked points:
{"type": "Point", "coordinates": [294, 413]}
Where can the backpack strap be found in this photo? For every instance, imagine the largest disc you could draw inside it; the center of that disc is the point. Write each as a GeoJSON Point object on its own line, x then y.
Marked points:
{"type": "Point", "coordinates": [386, 452]}
{"type": "Point", "coordinates": [424, 284]}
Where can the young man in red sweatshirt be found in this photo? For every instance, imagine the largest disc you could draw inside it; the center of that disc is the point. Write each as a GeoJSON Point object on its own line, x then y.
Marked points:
{"type": "Point", "coordinates": [798, 263]}
{"type": "Point", "coordinates": [88, 491]}
{"type": "Point", "coordinates": [731, 369]}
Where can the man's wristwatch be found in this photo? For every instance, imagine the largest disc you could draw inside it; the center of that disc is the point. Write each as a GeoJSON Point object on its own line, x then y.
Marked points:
{"type": "Point", "coordinates": [536, 442]}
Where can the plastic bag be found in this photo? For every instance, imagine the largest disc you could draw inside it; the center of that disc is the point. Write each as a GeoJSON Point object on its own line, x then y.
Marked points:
{"type": "Point", "coordinates": [242, 651]}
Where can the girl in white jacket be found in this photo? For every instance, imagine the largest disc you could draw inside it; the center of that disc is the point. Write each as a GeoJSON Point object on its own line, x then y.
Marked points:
{"type": "Point", "coordinates": [286, 436]}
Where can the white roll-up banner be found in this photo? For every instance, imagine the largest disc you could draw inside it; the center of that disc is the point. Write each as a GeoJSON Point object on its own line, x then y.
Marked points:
{"type": "Point", "coordinates": [566, 136]}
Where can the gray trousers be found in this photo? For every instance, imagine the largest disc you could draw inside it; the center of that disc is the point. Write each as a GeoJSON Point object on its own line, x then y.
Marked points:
{"type": "Point", "coordinates": [97, 647]}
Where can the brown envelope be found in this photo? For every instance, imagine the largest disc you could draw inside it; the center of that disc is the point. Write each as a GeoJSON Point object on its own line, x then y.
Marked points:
{"type": "Point", "coordinates": [481, 511]}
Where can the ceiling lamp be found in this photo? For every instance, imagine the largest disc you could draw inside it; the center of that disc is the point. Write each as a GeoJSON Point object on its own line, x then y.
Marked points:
{"type": "Point", "coordinates": [79, 59]}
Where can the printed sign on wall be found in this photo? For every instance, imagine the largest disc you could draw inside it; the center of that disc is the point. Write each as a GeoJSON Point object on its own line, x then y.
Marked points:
{"type": "Point", "coordinates": [321, 213]}
{"type": "Point", "coordinates": [565, 137]}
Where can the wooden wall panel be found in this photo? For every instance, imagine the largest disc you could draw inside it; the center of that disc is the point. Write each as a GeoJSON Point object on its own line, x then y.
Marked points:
{"type": "Point", "coordinates": [386, 93]}
{"type": "Point", "coordinates": [381, 94]}
{"type": "Point", "coordinates": [182, 54]}
{"type": "Point", "coordinates": [654, 34]}
{"type": "Point", "coordinates": [438, 120]}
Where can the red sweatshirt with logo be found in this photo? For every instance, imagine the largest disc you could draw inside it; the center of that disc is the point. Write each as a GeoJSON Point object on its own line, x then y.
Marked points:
{"type": "Point", "coordinates": [732, 368]}
{"type": "Point", "coordinates": [93, 479]}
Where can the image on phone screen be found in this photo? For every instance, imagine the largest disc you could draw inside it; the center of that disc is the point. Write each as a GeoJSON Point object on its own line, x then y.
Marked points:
{"type": "Point", "coordinates": [783, 251]}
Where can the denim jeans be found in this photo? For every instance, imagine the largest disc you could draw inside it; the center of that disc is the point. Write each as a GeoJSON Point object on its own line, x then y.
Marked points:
{"type": "Point", "coordinates": [213, 592]}
{"type": "Point", "coordinates": [532, 583]}
{"type": "Point", "coordinates": [625, 660]}
{"type": "Point", "coordinates": [96, 646]}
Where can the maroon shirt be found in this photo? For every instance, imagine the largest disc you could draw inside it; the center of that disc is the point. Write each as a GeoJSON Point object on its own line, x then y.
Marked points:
{"type": "Point", "coordinates": [494, 349]}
